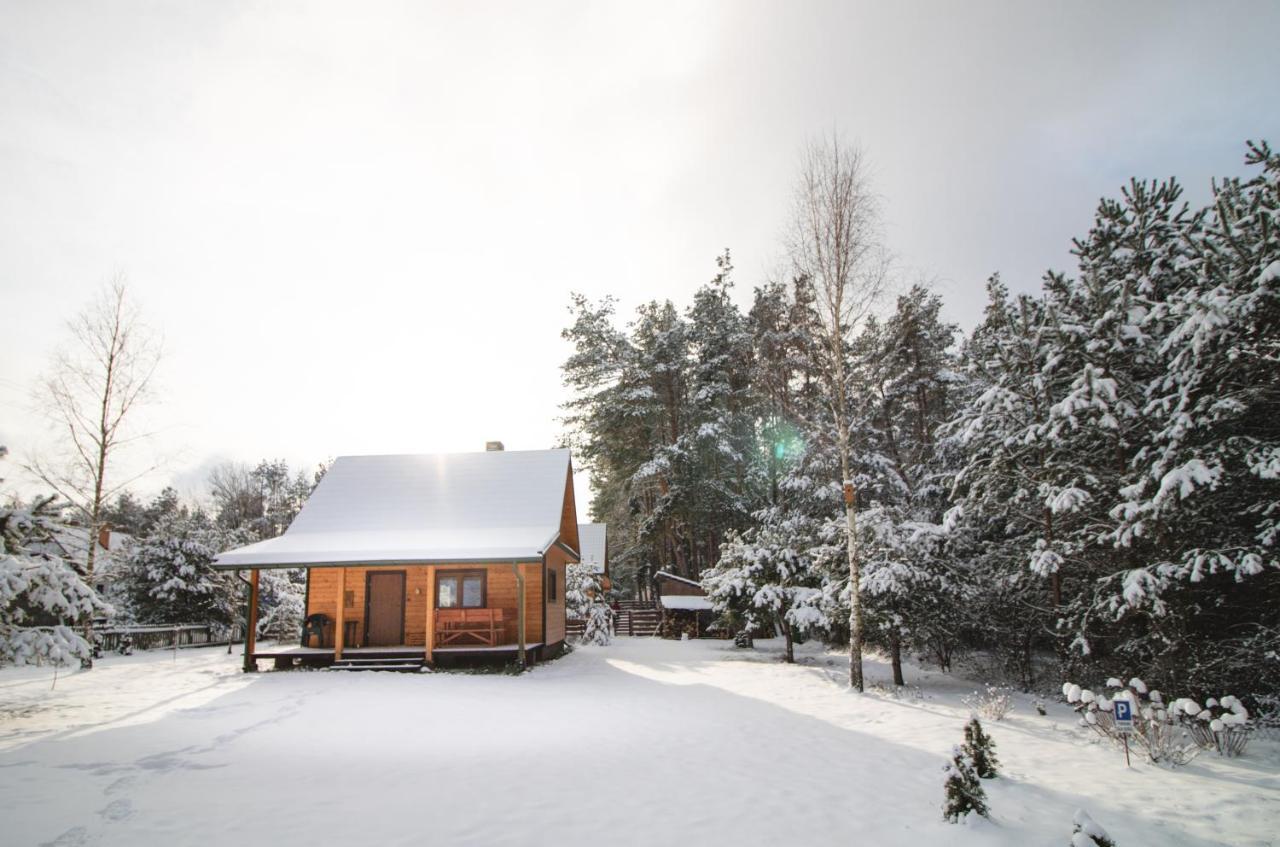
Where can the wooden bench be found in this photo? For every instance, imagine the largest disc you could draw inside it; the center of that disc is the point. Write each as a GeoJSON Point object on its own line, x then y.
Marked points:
{"type": "Point", "coordinates": [481, 626]}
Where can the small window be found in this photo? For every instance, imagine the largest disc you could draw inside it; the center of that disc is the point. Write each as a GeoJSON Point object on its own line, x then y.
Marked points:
{"type": "Point", "coordinates": [551, 586]}
{"type": "Point", "coordinates": [460, 590]}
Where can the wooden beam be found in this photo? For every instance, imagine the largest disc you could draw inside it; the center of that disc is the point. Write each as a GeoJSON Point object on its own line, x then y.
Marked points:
{"type": "Point", "coordinates": [251, 625]}
{"type": "Point", "coordinates": [340, 623]}
{"type": "Point", "coordinates": [520, 613]}
{"type": "Point", "coordinates": [431, 614]}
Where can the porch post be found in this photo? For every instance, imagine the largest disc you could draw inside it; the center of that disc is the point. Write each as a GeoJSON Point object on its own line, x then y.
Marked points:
{"type": "Point", "coordinates": [431, 614]}
{"type": "Point", "coordinates": [251, 625]}
{"type": "Point", "coordinates": [520, 607]}
{"type": "Point", "coordinates": [340, 625]}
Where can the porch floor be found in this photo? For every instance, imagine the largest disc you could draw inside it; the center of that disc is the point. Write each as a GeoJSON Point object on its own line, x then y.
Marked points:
{"type": "Point", "coordinates": [280, 651]}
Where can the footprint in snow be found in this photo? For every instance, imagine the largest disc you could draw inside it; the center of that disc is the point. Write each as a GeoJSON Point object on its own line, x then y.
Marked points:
{"type": "Point", "coordinates": [73, 837]}
{"type": "Point", "coordinates": [116, 810]}
{"type": "Point", "coordinates": [119, 785]}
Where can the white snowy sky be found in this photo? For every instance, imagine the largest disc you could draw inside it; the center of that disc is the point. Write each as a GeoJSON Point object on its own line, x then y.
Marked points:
{"type": "Point", "coordinates": [358, 224]}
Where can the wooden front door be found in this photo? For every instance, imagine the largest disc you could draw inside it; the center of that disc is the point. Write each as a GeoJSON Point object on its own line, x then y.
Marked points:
{"type": "Point", "coordinates": [384, 608]}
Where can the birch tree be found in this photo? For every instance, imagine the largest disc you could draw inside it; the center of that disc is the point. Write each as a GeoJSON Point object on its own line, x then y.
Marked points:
{"type": "Point", "coordinates": [90, 397]}
{"type": "Point", "coordinates": [836, 243]}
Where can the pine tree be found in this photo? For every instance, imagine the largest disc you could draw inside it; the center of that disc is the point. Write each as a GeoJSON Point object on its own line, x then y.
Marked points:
{"type": "Point", "coordinates": [981, 749]}
{"type": "Point", "coordinates": [585, 600]}
{"type": "Point", "coordinates": [963, 790]}
{"type": "Point", "coordinates": [41, 595]}
{"type": "Point", "coordinates": [768, 578]}
{"type": "Point", "coordinates": [907, 388]}
{"type": "Point", "coordinates": [170, 575]}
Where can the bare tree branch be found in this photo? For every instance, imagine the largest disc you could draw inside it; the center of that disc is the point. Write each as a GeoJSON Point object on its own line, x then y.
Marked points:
{"type": "Point", "coordinates": [836, 242]}
{"type": "Point", "coordinates": [89, 397]}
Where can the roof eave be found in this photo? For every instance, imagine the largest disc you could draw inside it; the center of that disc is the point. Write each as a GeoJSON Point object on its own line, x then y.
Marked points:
{"type": "Point", "coordinates": [377, 563]}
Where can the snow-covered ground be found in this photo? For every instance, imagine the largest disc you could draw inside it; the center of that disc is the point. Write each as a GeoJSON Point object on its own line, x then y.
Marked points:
{"type": "Point", "coordinates": [642, 742]}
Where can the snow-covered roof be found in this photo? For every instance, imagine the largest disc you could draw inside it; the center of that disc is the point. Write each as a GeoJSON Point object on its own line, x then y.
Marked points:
{"type": "Point", "coordinates": [592, 538]}
{"type": "Point", "coordinates": [684, 601]}
{"type": "Point", "coordinates": [685, 580]}
{"type": "Point", "coordinates": [495, 506]}
{"type": "Point", "coordinates": [72, 543]}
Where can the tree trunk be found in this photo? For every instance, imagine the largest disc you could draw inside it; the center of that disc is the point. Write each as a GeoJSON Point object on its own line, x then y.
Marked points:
{"type": "Point", "coordinates": [855, 581]}
{"type": "Point", "coordinates": [1055, 579]}
{"type": "Point", "coordinates": [895, 651]}
{"type": "Point", "coordinates": [790, 655]}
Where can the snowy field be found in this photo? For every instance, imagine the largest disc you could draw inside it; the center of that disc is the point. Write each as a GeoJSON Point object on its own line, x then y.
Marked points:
{"type": "Point", "coordinates": [644, 742]}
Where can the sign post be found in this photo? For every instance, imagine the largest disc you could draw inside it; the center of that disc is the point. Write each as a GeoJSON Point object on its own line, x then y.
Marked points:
{"type": "Point", "coordinates": [1123, 713]}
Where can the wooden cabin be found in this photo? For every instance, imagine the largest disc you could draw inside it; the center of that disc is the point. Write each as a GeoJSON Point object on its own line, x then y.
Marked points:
{"type": "Point", "coordinates": [426, 557]}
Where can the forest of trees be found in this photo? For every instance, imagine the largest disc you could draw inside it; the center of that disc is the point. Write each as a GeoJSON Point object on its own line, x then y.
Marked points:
{"type": "Point", "coordinates": [161, 574]}
{"type": "Point", "coordinates": [1090, 479]}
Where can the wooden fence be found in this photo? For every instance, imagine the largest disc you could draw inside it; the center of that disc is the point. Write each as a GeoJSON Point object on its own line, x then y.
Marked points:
{"type": "Point", "coordinates": [158, 636]}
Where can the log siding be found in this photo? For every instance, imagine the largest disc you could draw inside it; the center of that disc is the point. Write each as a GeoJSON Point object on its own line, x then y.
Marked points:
{"type": "Point", "coordinates": [322, 598]}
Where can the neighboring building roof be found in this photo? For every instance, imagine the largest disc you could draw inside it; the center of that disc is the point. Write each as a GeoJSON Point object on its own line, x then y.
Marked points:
{"type": "Point", "coordinates": [686, 580]}
{"type": "Point", "coordinates": [594, 551]}
{"type": "Point", "coordinates": [72, 544]}
{"type": "Point", "coordinates": [684, 601]}
{"type": "Point", "coordinates": [494, 506]}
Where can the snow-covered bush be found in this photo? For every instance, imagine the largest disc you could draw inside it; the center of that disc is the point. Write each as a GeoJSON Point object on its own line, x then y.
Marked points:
{"type": "Point", "coordinates": [981, 750]}
{"type": "Point", "coordinates": [993, 703]}
{"type": "Point", "coordinates": [585, 600]}
{"type": "Point", "coordinates": [1222, 725]}
{"type": "Point", "coordinates": [962, 787]}
{"type": "Point", "coordinates": [41, 595]}
{"type": "Point", "coordinates": [1159, 729]}
{"type": "Point", "coordinates": [1087, 833]}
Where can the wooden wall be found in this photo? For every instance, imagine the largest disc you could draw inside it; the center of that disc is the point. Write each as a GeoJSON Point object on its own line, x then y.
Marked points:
{"type": "Point", "coordinates": [557, 559]}
{"type": "Point", "coordinates": [678, 588]}
{"type": "Point", "coordinates": [501, 587]}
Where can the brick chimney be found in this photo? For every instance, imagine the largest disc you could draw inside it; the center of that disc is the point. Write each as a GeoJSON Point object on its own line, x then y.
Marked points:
{"type": "Point", "coordinates": [104, 536]}
{"type": "Point", "coordinates": [493, 446]}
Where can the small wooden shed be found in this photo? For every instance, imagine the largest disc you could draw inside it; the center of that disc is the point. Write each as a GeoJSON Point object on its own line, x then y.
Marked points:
{"type": "Point", "coordinates": [427, 556]}
{"type": "Point", "coordinates": [686, 610]}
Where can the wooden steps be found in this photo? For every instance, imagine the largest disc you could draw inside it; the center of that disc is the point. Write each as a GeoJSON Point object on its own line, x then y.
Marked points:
{"type": "Point", "coordinates": [637, 618]}
{"type": "Point", "coordinates": [401, 664]}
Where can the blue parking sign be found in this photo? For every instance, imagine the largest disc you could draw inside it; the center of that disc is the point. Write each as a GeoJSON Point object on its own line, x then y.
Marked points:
{"type": "Point", "coordinates": [1123, 712]}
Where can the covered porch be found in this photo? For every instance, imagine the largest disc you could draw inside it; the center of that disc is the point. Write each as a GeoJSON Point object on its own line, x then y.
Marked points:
{"type": "Point", "coordinates": [422, 612]}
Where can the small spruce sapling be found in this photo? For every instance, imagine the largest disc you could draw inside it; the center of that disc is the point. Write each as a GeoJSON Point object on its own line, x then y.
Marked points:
{"type": "Point", "coordinates": [964, 793]}
{"type": "Point", "coordinates": [981, 749]}
{"type": "Point", "coordinates": [1087, 833]}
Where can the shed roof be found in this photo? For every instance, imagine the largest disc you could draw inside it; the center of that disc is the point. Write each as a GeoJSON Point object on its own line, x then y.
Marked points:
{"type": "Point", "coordinates": [592, 536]}
{"type": "Point", "coordinates": [494, 506]}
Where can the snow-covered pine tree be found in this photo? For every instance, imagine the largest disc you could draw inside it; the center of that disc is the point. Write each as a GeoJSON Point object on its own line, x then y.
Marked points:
{"type": "Point", "coordinates": [907, 387]}
{"type": "Point", "coordinates": [664, 417]}
{"type": "Point", "coordinates": [719, 440]}
{"type": "Point", "coordinates": [1198, 521]}
{"type": "Point", "coordinates": [259, 502]}
{"type": "Point", "coordinates": [170, 576]}
{"type": "Point", "coordinates": [1010, 467]}
{"type": "Point", "coordinates": [282, 601]}
{"type": "Point", "coordinates": [963, 791]}
{"type": "Point", "coordinates": [767, 577]}
{"type": "Point", "coordinates": [41, 595]}
{"type": "Point", "coordinates": [981, 749]}
{"type": "Point", "coordinates": [1106, 326]}
{"type": "Point", "coordinates": [586, 600]}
